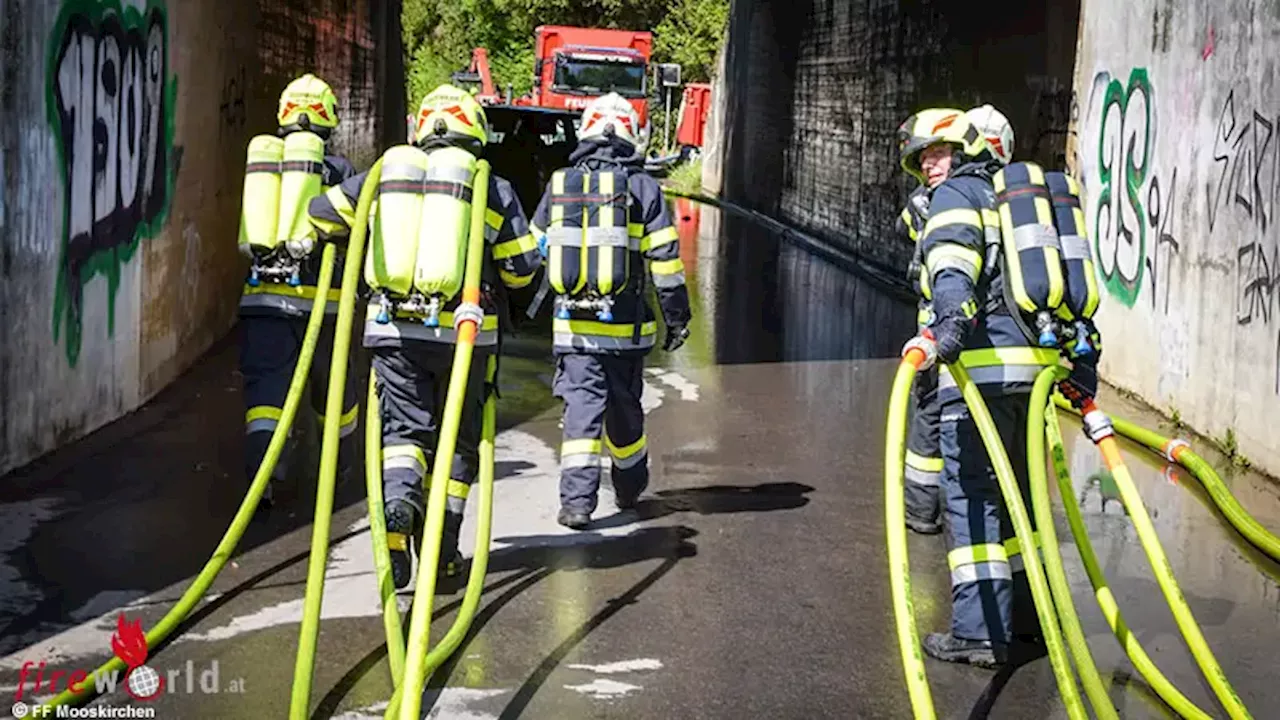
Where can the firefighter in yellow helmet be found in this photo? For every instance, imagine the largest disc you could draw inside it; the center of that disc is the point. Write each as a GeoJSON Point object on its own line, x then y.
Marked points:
{"type": "Point", "coordinates": [277, 295]}
{"type": "Point", "coordinates": [607, 230]}
{"type": "Point", "coordinates": [412, 348]}
{"type": "Point", "coordinates": [923, 470]}
{"type": "Point", "coordinates": [971, 323]}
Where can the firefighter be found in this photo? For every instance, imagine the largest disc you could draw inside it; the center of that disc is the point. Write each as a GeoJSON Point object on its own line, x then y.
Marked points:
{"type": "Point", "coordinates": [277, 297]}
{"type": "Point", "coordinates": [924, 458]}
{"type": "Point", "coordinates": [971, 323]}
{"type": "Point", "coordinates": [600, 222]}
{"type": "Point", "coordinates": [412, 349]}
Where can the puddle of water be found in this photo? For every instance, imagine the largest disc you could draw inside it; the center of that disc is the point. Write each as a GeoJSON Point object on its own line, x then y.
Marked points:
{"type": "Point", "coordinates": [764, 300]}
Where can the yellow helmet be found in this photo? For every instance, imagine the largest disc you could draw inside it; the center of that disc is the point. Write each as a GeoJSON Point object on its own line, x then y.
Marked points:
{"type": "Point", "coordinates": [310, 102]}
{"type": "Point", "coordinates": [938, 125]}
{"type": "Point", "coordinates": [452, 116]}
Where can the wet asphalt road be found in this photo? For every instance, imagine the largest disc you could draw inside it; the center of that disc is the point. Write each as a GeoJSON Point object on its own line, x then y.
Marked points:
{"type": "Point", "coordinates": [751, 582]}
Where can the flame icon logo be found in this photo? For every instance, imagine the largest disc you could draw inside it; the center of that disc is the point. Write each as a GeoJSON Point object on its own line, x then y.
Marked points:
{"type": "Point", "coordinates": [129, 644]}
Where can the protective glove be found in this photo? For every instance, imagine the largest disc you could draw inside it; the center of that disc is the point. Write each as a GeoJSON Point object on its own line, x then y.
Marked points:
{"type": "Point", "coordinates": [949, 336]}
{"type": "Point", "coordinates": [676, 335]}
{"type": "Point", "coordinates": [542, 246]}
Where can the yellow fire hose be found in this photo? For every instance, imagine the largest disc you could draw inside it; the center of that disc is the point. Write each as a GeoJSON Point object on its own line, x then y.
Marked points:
{"type": "Point", "coordinates": [248, 506]}
{"type": "Point", "coordinates": [310, 630]}
{"type": "Point", "coordinates": [895, 526]}
{"type": "Point", "coordinates": [416, 665]}
{"type": "Point", "coordinates": [1106, 600]}
{"type": "Point", "coordinates": [1085, 667]}
{"type": "Point", "coordinates": [1022, 530]}
{"type": "Point", "coordinates": [378, 532]}
{"type": "Point", "coordinates": [909, 647]}
{"type": "Point", "coordinates": [1164, 573]}
{"type": "Point", "coordinates": [479, 562]}
{"type": "Point", "coordinates": [1180, 452]}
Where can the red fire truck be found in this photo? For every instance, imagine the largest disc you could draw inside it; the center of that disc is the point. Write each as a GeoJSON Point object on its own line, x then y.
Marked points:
{"type": "Point", "coordinates": [572, 67]}
{"type": "Point", "coordinates": [535, 133]}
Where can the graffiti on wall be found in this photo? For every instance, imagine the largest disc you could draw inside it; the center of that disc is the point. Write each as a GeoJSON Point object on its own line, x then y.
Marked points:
{"type": "Point", "coordinates": [1243, 184]}
{"type": "Point", "coordinates": [1136, 198]}
{"type": "Point", "coordinates": [110, 102]}
{"type": "Point", "coordinates": [1133, 236]}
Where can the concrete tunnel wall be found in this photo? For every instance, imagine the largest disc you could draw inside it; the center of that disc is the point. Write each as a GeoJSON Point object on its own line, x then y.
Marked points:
{"type": "Point", "coordinates": [1176, 111]}
{"type": "Point", "coordinates": [813, 92]}
{"type": "Point", "coordinates": [123, 154]}
{"type": "Point", "coordinates": [1165, 109]}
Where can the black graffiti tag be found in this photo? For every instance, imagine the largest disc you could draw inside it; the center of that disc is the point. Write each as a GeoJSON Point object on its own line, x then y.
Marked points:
{"type": "Point", "coordinates": [109, 105]}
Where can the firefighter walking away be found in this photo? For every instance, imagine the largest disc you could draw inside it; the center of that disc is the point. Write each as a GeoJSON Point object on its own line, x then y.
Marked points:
{"type": "Point", "coordinates": [415, 267]}
{"type": "Point", "coordinates": [599, 223]}
{"type": "Point", "coordinates": [285, 171]}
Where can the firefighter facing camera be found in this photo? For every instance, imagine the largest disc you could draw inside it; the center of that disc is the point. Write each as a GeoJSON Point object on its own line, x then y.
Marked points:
{"type": "Point", "coordinates": [285, 170]}
{"type": "Point", "coordinates": [415, 267]}
{"type": "Point", "coordinates": [599, 223]}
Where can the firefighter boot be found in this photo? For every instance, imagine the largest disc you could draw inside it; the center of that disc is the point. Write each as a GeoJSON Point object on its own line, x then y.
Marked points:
{"type": "Point", "coordinates": [404, 533]}
{"type": "Point", "coordinates": [573, 519]}
{"type": "Point", "coordinates": [949, 648]}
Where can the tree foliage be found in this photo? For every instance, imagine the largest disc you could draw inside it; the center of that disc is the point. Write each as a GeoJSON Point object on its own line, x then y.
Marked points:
{"type": "Point", "coordinates": [439, 35]}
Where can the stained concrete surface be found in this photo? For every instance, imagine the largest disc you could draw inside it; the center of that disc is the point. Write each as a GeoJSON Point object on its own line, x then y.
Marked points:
{"type": "Point", "coordinates": [750, 583]}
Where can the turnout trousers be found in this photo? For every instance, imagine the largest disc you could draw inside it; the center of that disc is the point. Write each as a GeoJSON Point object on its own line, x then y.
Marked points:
{"type": "Point", "coordinates": [990, 596]}
{"type": "Point", "coordinates": [412, 386]}
{"type": "Point", "coordinates": [269, 351]}
{"type": "Point", "coordinates": [923, 493]}
{"type": "Point", "coordinates": [602, 409]}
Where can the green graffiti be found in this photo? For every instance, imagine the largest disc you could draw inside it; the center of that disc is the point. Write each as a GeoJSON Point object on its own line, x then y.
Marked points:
{"type": "Point", "coordinates": [110, 101]}
{"type": "Point", "coordinates": [1121, 241]}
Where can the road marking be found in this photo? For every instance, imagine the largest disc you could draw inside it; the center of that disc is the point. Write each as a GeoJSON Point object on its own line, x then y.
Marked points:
{"type": "Point", "coordinates": [622, 666]}
{"type": "Point", "coordinates": [603, 689]}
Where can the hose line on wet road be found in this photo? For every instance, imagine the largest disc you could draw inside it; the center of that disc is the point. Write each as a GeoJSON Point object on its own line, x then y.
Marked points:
{"type": "Point", "coordinates": [1195, 640]}
{"type": "Point", "coordinates": [1106, 600]}
{"type": "Point", "coordinates": [248, 506]}
{"type": "Point", "coordinates": [895, 528]}
{"type": "Point", "coordinates": [416, 661]}
{"type": "Point", "coordinates": [309, 631]}
{"type": "Point", "coordinates": [1179, 451]}
{"type": "Point", "coordinates": [1085, 667]}
{"type": "Point", "coordinates": [1017, 511]}
{"type": "Point", "coordinates": [1052, 596]}
{"type": "Point", "coordinates": [378, 532]}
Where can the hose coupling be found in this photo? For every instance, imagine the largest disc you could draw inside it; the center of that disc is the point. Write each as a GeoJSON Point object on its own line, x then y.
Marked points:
{"type": "Point", "coordinates": [468, 311]}
{"type": "Point", "coordinates": [1173, 448]}
{"type": "Point", "coordinates": [1097, 426]}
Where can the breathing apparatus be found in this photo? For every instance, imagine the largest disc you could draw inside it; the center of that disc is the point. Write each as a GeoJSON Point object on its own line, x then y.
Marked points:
{"type": "Point", "coordinates": [284, 172]}
{"type": "Point", "coordinates": [431, 178]}
{"type": "Point", "coordinates": [589, 265]}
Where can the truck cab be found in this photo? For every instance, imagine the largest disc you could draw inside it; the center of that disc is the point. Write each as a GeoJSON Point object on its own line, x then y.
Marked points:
{"type": "Point", "coordinates": [575, 65]}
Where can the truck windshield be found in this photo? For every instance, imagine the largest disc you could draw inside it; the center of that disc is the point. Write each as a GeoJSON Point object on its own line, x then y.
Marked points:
{"type": "Point", "coordinates": [593, 77]}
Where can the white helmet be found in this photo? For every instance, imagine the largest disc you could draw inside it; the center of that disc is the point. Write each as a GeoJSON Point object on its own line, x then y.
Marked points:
{"type": "Point", "coordinates": [995, 127]}
{"type": "Point", "coordinates": [614, 111]}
